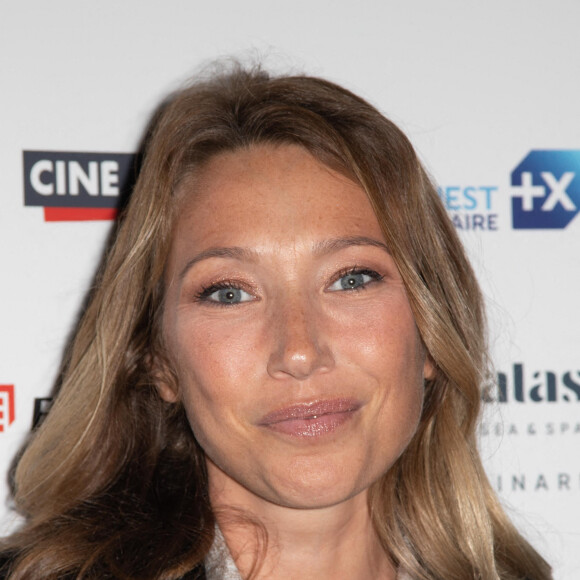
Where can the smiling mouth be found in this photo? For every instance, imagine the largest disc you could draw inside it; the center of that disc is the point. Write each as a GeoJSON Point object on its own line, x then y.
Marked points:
{"type": "Point", "coordinates": [311, 419]}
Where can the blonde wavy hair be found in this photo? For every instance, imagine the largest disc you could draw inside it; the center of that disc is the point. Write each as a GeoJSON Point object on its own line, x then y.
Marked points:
{"type": "Point", "coordinates": [113, 485]}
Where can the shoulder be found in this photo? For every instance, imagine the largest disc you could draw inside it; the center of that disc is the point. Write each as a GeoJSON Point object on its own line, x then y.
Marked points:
{"type": "Point", "coordinates": [7, 559]}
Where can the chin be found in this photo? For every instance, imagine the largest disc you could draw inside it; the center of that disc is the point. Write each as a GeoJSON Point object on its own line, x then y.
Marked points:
{"type": "Point", "coordinates": [309, 486]}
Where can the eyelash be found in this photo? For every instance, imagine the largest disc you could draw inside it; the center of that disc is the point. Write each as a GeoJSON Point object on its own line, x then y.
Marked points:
{"type": "Point", "coordinates": [204, 294]}
{"type": "Point", "coordinates": [357, 271]}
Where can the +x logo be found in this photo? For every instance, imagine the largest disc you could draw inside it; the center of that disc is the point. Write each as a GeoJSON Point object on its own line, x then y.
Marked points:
{"type": "Point", "coordinates": [546, 190]}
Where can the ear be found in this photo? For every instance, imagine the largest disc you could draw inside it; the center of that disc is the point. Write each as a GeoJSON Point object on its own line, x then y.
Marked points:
{"type": "Point", "coordinates": [161, 375]}
{"type": "Point", "coordinates": [166, 392]}
{"type": "Point", "coordinates": [429, 368]}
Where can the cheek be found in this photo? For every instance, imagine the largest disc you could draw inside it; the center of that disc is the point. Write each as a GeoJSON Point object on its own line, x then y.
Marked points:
{"type": "Point", "coordinates": [387, 346]}
{"type": "Point", "coordinates": [384, 339]}
{"type": "Point", "coordinates": [214, 368]}
{"type": "Point", "coordinates": [401, 411]}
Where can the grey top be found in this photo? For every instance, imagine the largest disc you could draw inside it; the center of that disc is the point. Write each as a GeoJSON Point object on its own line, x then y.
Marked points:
{"type": "Point", "coordinates": [219, 564]}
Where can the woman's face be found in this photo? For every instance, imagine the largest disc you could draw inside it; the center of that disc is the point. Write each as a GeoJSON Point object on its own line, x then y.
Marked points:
{"type": "Point", "coordinates": [287, 322]}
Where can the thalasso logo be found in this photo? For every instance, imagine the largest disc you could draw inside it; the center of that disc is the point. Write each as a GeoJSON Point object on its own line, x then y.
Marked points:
{"type": "Point", "coordinates": [545, 190]}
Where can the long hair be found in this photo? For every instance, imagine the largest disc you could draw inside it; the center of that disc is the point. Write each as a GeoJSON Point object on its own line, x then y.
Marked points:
{"type": "Point", "coordinates": [113, 485]}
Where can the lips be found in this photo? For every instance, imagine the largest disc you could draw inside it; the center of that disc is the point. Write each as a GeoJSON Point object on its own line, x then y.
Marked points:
{"type": "Point", "coordinates": [311, 419]}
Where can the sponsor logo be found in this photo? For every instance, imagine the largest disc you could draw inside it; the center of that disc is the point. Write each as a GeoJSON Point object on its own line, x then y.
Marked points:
{"type": "Point", "coordinates": [77, 186]}
{"type": "Point", "coordinates": [549, 428]}
{"type": "Point", "coordinates": [471, 207]}
{"type": "Point", "coordinates": [523, 386]}
{"type": "Point", "coordinates": [535, 482]}
{"type": "Point", "coordinates": [41, 409]}
{"type": "Point", "coordinates": [546, 190]}
{"type": "Point", "coordinates": [7, 408]}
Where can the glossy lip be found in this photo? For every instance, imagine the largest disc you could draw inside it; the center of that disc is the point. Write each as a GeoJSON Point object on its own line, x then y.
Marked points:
{"type": "Point", "coordinates": [311, 419]}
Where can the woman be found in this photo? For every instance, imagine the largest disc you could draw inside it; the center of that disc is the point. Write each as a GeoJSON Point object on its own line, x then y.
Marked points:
{"type": "Point", "coordinates": [278, 373]}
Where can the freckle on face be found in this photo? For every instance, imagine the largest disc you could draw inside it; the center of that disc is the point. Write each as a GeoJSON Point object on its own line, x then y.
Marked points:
{"type": "Point", "coordinates": [299, 340]}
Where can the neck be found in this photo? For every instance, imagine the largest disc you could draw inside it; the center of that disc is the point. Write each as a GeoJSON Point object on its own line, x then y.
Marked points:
{"type": "Point", "coordinates": [337, 542]}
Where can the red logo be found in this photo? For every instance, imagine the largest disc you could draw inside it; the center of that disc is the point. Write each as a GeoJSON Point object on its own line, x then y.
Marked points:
{"type": "Point", "coordinates": [6, 406]}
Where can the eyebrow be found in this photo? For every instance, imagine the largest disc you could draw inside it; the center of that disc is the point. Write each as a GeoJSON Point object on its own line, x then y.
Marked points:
{"type": "Point", "coordinates": [322, 248]}
{"type": "Point", "coordinates": [234, 252]}
{"type": "Point", "coordinates": [335, 244]}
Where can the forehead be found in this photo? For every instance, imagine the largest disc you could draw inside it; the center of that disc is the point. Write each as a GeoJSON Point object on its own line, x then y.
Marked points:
{"type": "Point", "coordinates": [276, 192]}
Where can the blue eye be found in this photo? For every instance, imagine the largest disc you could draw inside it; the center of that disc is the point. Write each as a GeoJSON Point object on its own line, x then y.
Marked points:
{"type": "Point", "coordinates": [354, 280]}
{"type": "Point", "coordinates": [224, 295]}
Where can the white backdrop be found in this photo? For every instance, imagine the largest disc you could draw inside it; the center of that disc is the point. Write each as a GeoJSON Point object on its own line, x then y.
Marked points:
{"type": "Point", "coordinates": [476, 85]}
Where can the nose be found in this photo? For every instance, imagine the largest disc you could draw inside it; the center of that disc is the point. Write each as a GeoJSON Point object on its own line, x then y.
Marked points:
{"type": "Point", "coordinates": [299, 346]}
